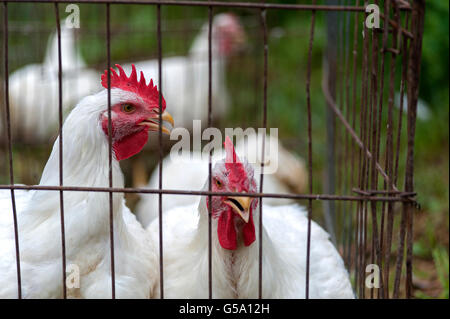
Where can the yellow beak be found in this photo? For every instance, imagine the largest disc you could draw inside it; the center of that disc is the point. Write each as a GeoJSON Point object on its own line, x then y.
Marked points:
{"type": "Point", "coordinates": [153, 122]}
{"type": "Point", "coordinates": [241, 205]}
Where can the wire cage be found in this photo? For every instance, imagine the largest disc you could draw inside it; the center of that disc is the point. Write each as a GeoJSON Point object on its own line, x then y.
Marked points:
{"type": "Point", "coordinates": [368, 92]}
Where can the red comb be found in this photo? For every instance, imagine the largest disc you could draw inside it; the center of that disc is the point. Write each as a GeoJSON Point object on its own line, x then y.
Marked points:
{"type": "Point", "coordinates": [149, 93]}
{"type": "Point", "coordinates": [237, 175]}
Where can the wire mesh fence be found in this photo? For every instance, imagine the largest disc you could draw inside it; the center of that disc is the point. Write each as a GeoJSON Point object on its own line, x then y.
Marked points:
{"type": "Point", "coordinates": [368, 189]}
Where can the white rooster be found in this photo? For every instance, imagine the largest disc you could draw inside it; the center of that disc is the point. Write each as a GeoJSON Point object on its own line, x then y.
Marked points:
{"type": "Point", "coordinates": [33, 89]}
{"type": "Point", "coordinates": [135, 111]}
{"type": "Point", "coordinates": [190, 171]}
{"type": "Point", "coordinates": [235, 234]}
{"type": "Point", "coordinates": [185, 78]}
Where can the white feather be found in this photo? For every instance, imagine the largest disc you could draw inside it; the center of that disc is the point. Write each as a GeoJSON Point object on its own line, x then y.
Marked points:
{"type": "Point", "coordinates": [85, 163]}
{"type": "Point", "coordinates": [235, 273]}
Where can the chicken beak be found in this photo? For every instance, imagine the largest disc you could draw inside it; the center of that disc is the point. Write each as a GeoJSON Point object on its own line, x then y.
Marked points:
{"type": "Point", "coordinates": [153, 122]}
{"type": "Point", "coordinates": [241, 205]}
{"type": "Point", "coordinates": [168, 118]}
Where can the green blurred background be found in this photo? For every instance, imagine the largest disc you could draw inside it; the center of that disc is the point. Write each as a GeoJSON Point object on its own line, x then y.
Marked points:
{"type": "Point", "coordinates": [134, 38]}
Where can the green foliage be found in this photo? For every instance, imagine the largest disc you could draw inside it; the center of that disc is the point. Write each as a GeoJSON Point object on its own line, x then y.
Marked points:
{"type": "Point", "coordinates": [434, 82]}
{"type": "Point", "coordinates": [440, 257]}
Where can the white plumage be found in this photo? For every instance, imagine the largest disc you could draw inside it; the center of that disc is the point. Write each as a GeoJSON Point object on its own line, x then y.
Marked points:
{"type": "Point", "coordinates": [85, 155]}
{"type": "Point", "coordinates": [33, 89]}
{"type": "Point", "coordinates": [235, 272]}
{"type": "Point", "coordinates": [191, 170]}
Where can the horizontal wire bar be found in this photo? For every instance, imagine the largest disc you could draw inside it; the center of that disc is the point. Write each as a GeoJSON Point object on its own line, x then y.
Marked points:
{"type": "Point", "coordinates": [213, 4]}
{"type": "Point", "coordinates": [373, 192]}
{"type": "Point", "coordinates": [205, 193]}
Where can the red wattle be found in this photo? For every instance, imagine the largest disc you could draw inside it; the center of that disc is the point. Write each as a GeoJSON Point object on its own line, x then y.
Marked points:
{"type": "Point", "coordinates": [249, 231]}
{"type": "Point", "coordinates": [226, 230]}
{"type": "Point", "coordinates": [130, 145]}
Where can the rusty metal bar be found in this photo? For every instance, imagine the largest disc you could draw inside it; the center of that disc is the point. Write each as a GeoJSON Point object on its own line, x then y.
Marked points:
{"type": "Point", "coordinates": [60, 120]}
{"type": "Point", "coordinates": [386, 192]}
{"type": "Point", "coordinates": [361, 209]}
{"type": "Point", "coordinates": [248, 5]}
{"type": "Point", "coordinates": [210, 289]}
{"type": "Point", "coordinates": [374, 142]}
{"type": "Point", "coordinates": [401, 240]}
{"type": "Point", "coordinates": [110, 174]}
{"type": "Point", "coordinates": [348, 156]}
{"type": "Point", "coordinates": [353, 146]}
{"type": "Point", "coordinates": [160, 212]}
{"type": "Point", "coordinates": [10, 153]}
{"type": "Point", "coordinates": [330, 79]}
{"type": "Point", "coordinates": [413, 77]}
{"type": "Point", "coordinates": [206, 193]}
{"type": "Point", "coordinates": [261, 177]}
{"type": "Point", "coordinates": [390, 155]}
{"type": "Point", "coordinates": [310, 171]}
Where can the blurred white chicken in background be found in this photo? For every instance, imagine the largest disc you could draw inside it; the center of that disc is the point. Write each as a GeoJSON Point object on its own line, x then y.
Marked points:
{"type": "Point", "coordinates": [33, 89]}
{"type": "Point", "coordinates": [235, 249]}
{"type": "Point", "coordinates": [191, 170]}
{"type": "Point", "coordinates": [185, 78]}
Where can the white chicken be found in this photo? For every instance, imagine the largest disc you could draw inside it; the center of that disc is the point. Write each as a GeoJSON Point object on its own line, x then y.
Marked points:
{"type": "Point", "coordinates": [235, 235]}
{"type": "Point", "coordinates": [33, 90]}
{"type": "Point", "coordinates": [185, 78]}
{"type": "Point", "coordinates": [189, 172]}
{"type": "Point", "coordinates": [135, 111]}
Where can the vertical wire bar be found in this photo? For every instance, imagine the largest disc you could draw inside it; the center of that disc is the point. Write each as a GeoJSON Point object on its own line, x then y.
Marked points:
{"type": "Point", "coordinates": [263, 15]}
{"type": "Point", "coordinates": [10, 157]}
{"type": "Point", "coordinates": [363, 162]}
{"type": "Point", "coordinates": [360, 159]}
{"type": "Point", "coordinates": [401, 240]}
{"type": "Point", "coordinates": [378, 142]}
{"type": "Point", "coordinates": [342, 168]}
{"type": "Point", "coordinates": [390, 153]}
{"type": "Point", "coordinates": [337, 216]}
{"type": "Point", "coordinates": [353, 146]}
{"type": "Point", "coordinates": [210, 12]}
{"type": "Point", "coordinates": [367, 127]}
{"type": "Point", "coordinates": [348, 206]}
{"type": "Point", "coordinates": [346, 73]}
{"type": "Point", "coordinates": [374, 146]}
{"type": "Point", "coordinates": [404, 68]}
{"type": "Point", "coordinates": [310, 178]}
{"type": "Point", "coordinates": [371, 141]}
{"type": "Point", "coordinates": [331, 79]}
{"type": "Point", "coordinates": [161, 258]}
{"type": "Point", "coordinates": [61, 195]}
{"type": "Point", "coordinates": [371, 119]}
{"type": "Point", "coordinates": [111, 215]}
{"type": "Point", "coordinates": [414, 59]}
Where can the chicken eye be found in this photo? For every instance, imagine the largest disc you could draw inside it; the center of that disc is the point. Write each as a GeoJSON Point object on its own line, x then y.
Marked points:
{"type": "Point", "coordinates": [128, 108]}
{"type": "Point", "coordinates": [218, 183]}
